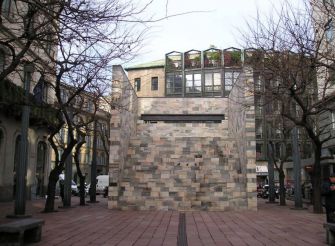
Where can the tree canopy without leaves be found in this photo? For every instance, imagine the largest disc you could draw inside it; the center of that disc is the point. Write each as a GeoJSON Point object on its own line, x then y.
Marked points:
{"type": "Point", "coordinates": [73, 43]}
{"type": "Point", "coordinates": [294, 57]}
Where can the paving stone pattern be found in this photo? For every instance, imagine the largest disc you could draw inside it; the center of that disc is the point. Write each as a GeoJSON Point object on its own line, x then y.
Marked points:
{"type": "Point", "coordinates": [95, 224]}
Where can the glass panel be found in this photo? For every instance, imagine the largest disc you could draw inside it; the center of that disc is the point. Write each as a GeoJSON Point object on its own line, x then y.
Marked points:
{"type": "Point", "coordinates": [208, 79]}
{"type": "Point", "coordinates": [197, 80]}
{"type": "Point", "coordinates": [228, 78]}
{"type": "Point", "coordinates": [154, 83]}
{"type": "Point", "coordinates": [217, 88]}
{"type": "Point", "coordinates": [189, 80]}
{"type": "Point", "coordinates": [178, 80]}
{"type": "Point", "coordinates": [217, 79]}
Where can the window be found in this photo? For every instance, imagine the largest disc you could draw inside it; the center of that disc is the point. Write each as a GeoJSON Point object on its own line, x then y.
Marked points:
{"type": "Point", "coordinates": [212, 82]}
{"type": "Point", "coordinates": [2, 60]}
{"type": "Point", "coordinates": [332, 115]}
{"type": "Point", "coordinates": [64, 95]}
{"type": "Point", "coordinates": [193, 83]}
{"type": "Point", "coordinates": [6, 5]}
{"type": "Point", "coordinates": [62, 136]}
{"type": "Point", "coordinates": [174, 84]}
{"type": "Point", "coordinates": [258, 83]}
{"type": "Point", "coordinates": [230, 78]}
{"type": "Point", "coordinates": [1, 138]}
{"type": "Point", "coordinates": [154, 83]}
{"type": "Point", "coordinates": [88, 139]}
{"type": "Point", "coordinates": [27, 76]}
{"type": "Point", "coordinates": [289, 150]}
{"type": "Point", "coordinates": [48, 44]}
{"type": "Point", "coordinates": [331, 74]}
{"type": "Point", "coordinates": [137, 84]}
{"type": "Point", "coordinates": [329, 31]}
{"type": "Point", "coordinates": [17, 152]}
{"type": "Point", "coordinates": [259, 129]}
{"type": "Point", "coordinates": [259, 151]}
{"type": "Point", "coordinates": [88, 157]}
{"type": "Point", "coordinates": [90, 106]}
{"type": "Point", "coordinates": [258, 106]}
{"type": "Point", "coordinates": [331, 2]}
{"type": "Point", "coordinates": [277, 150]}
{"type": "Point", "coordinates": [40, 91]}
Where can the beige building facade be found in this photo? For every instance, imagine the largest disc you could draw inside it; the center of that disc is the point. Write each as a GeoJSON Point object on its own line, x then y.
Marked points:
{"type": "Point", "coordinates": [36, 66]}
{"type": "Point", "coordinates": [148, 80]}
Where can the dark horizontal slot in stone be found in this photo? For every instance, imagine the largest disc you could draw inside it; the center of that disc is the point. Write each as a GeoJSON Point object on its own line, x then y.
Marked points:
{"type": "Point", "coordinates": [175, 118]}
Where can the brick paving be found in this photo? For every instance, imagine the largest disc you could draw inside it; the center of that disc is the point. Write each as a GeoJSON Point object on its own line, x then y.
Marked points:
{"type": "Point", "coordinates": [96, 225]}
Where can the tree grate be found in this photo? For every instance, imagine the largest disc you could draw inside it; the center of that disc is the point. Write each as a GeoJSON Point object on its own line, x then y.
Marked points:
{"type": "Point", "coordinates": [182, 236]}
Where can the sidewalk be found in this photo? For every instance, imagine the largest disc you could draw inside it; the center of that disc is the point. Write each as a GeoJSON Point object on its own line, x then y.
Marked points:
{"type": "Point", "coordinates": [96, 225]}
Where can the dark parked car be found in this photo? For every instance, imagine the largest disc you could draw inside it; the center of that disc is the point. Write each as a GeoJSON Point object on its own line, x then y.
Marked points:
{"type": "Point", "coordinates": [265, 192]}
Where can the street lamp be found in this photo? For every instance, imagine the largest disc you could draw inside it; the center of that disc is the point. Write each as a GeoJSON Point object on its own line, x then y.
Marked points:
{"type": "Point", "coordinates": [20, 195]}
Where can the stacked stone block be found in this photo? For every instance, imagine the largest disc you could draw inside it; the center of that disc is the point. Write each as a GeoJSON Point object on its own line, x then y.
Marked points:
{"type": "Point", "coordinates": [185, 166]}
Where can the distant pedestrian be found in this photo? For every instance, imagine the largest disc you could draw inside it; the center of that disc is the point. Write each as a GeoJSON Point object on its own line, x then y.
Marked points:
{"type": "Point", "coordinates": [61, 186]}
{"type": "Point", "coordinates": [328, 191]}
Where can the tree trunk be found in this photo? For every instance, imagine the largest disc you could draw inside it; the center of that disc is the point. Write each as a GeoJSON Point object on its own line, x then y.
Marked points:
{"type": "Point", "coordinates": [282, 193]}
{"type": "Point", "coordinates": [51, 192]}
{"type": "Point", "coordinates": [82, 190]}
{"type": "Point", "coordinates": [316, 192]}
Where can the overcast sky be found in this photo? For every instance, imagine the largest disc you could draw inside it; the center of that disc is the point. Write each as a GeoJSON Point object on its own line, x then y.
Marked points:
{"type": "Point", "coordinates": [218, 26]}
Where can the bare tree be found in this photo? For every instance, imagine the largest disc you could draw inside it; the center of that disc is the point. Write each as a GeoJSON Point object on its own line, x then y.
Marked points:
{"type": "Point", "coordinates": [90, 36]}
{"type": "Point", "coordinates": [291, 44]}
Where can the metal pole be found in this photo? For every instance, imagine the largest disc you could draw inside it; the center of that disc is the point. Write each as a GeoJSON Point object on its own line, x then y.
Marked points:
{"type": "Point", "coordinates": [21, 170]}
{"type": "Point", "coordinates": [68, 174]}
{"type": "Point", "coordinates": [94, 165]}
{"type": "Point", "coordinates": [296, 169]}
{"type": "Point", "coordinates": [271, 175]}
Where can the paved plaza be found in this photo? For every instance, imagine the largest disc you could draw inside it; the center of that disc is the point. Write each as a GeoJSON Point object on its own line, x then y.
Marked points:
{"type": "Point", "coordinates": [96, 225]}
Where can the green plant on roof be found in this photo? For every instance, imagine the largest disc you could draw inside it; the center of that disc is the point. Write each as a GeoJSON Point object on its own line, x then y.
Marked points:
{"type": "Point", "coordinates": [214, 56]}
{"type": "Point", "coordinates": [197, 58]}
{"type": "Point", "coordinates": [235, 56]}
{"type": "Point", "coordinates": [170, 63]}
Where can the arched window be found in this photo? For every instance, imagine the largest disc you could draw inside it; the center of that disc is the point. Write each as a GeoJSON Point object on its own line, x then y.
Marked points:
{"type": "Point", "coordinates": [40, 167]}
{"type": "Point", "coordinates": [16, 161]}
{"type": "Point", "coordinates": [1, 138]}
{"type": "Point", "coordinates": [2, 60]}
{"type": "Point", "coordinates": [17, 152]}
{"type": "Point", "coordinates": [6, 5]}
{"type": "Point", "coordinates": [1, 145]}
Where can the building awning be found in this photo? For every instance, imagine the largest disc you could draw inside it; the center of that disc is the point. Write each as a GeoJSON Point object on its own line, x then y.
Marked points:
{"type": "Point", "coordinates": [261, 170]}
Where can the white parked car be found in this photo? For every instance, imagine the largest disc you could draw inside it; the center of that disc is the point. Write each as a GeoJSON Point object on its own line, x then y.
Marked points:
{"type": "Point", "coordinates": [102, 183]}
{"type": "Point", "coordinates": [74, 187]}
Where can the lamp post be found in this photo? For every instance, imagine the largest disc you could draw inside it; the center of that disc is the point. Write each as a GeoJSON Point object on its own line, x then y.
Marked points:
{"type": "Point", "coordinates": [272, 198]}
{"type": "Point", "coordinates": [94, 166]}
{"type": "Point", "coordinates": [68, 173]}
{"type": "Point", "coordinates": [20, 195]}
{"type": "Point", "coordinates": [296, 169]}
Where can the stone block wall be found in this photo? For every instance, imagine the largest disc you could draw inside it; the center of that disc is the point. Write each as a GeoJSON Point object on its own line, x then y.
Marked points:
{"type": "Point", "coordinates": [122, 127]}
{"type": "Point", "coordinates": [182, 166]}
{"type": "Point", "coordinates": [188, 166]}
{"type": "Point", "coordinates": [241, 125]}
